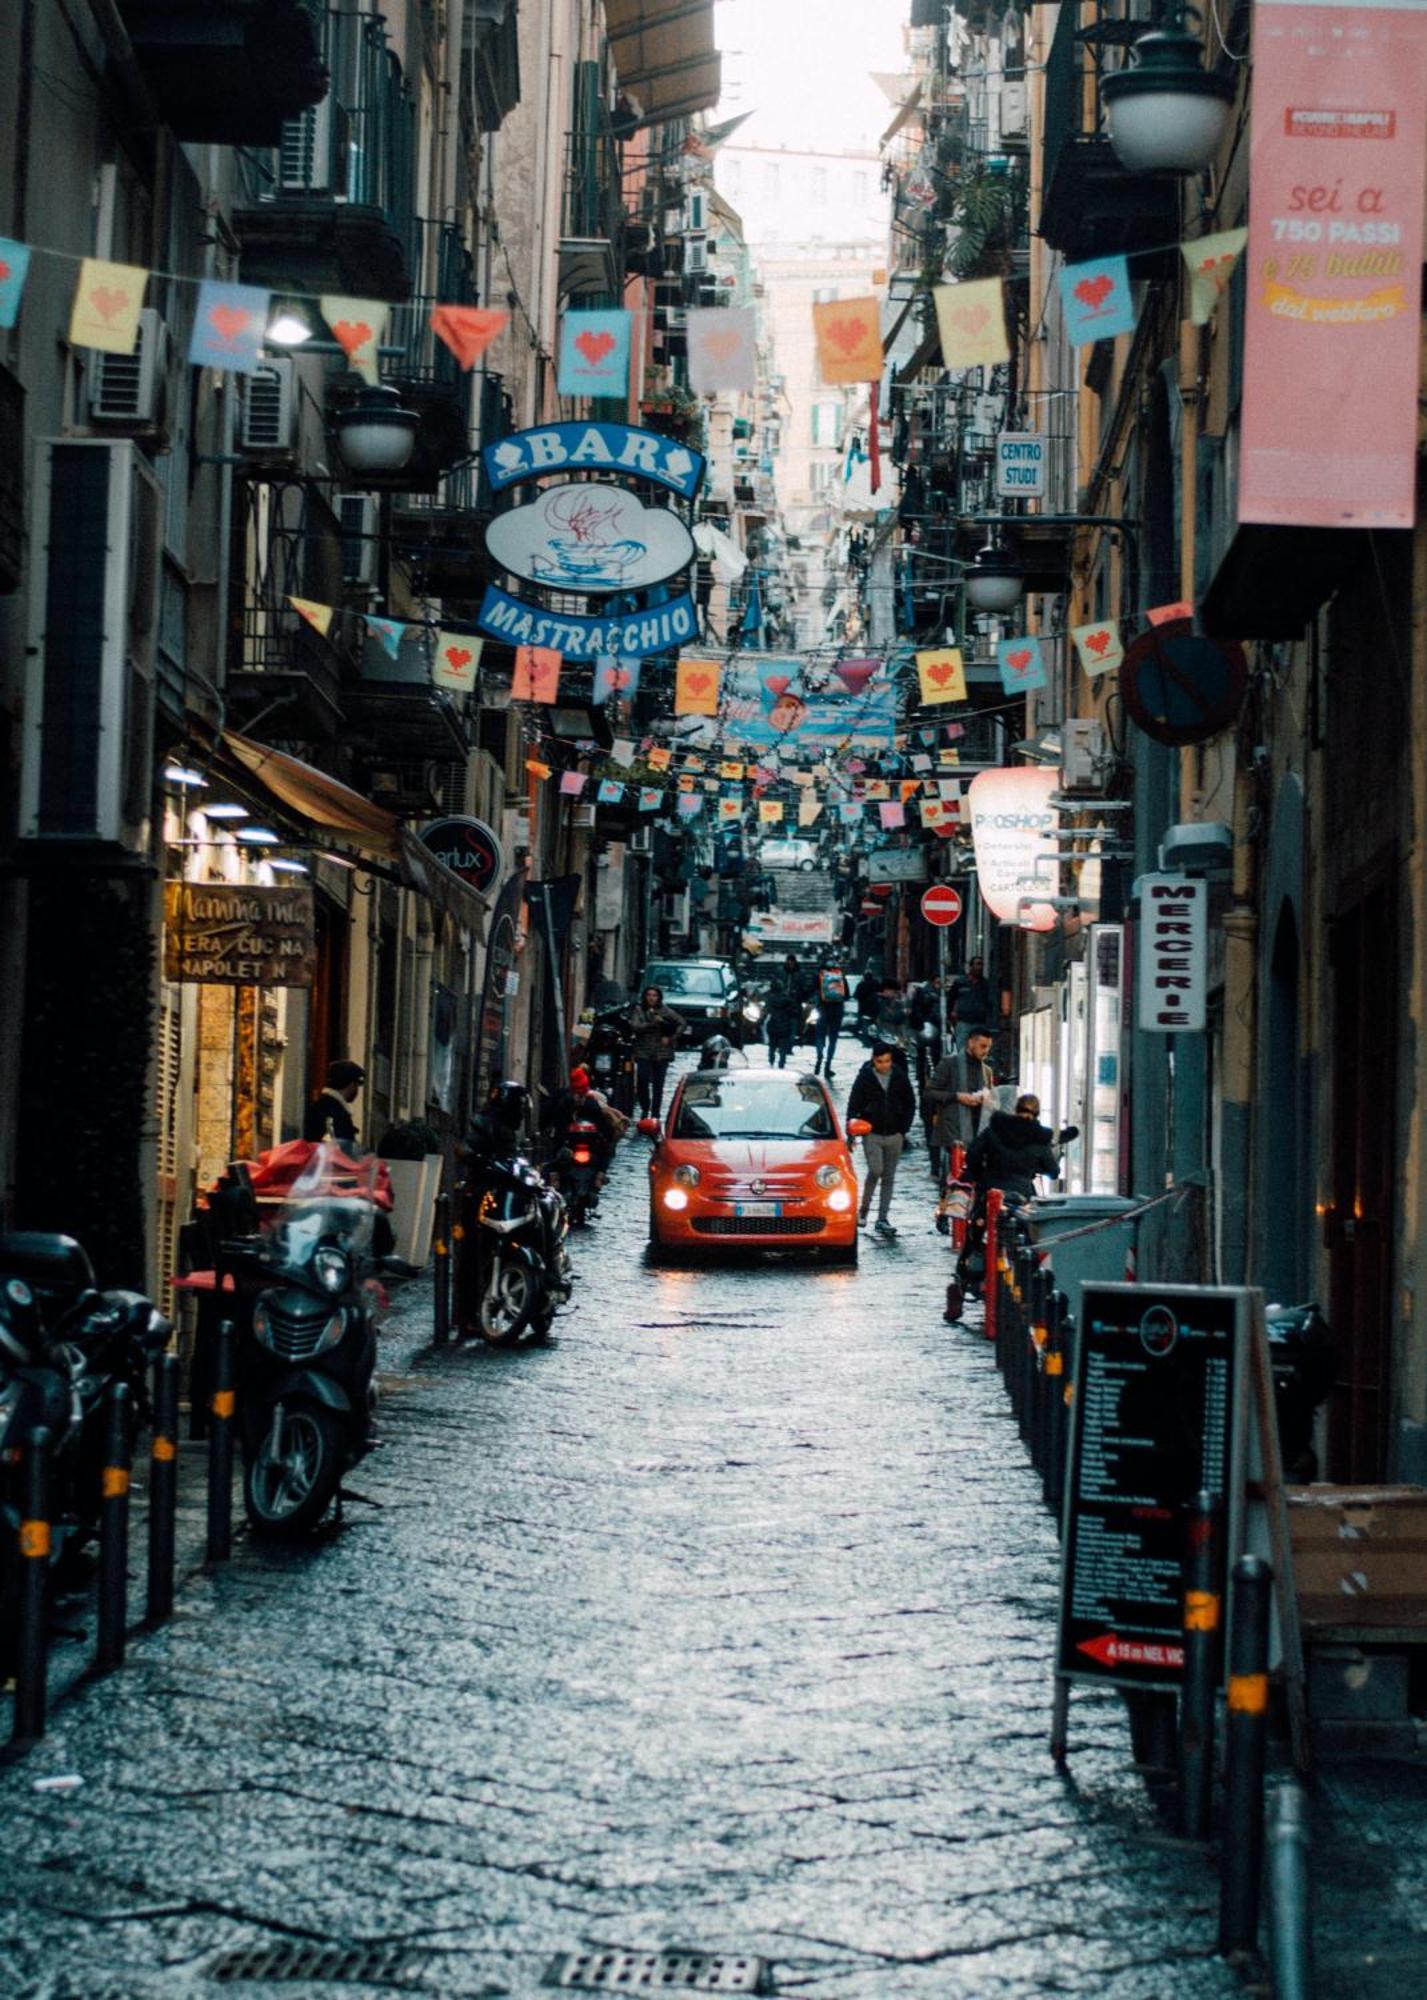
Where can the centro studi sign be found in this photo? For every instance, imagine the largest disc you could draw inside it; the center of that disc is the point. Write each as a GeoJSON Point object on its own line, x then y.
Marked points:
{"type": "Point", "coordinates": [592, 536]}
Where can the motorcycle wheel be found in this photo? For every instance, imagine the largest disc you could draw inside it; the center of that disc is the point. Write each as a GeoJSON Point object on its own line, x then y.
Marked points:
{"type": "Point", "coordinates": [286, 1493]}
{"type": "Point", "coordinates": [510, 1301]}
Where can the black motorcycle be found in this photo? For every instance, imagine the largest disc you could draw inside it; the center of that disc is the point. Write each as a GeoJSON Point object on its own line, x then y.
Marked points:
{"type": "Point", "coordinates": [575, 1171]}
{"type": "Point", "coordinates": [513, 1265]}
{"type": "Point", "coordinates": [307, 1357]}
{"type": "Point", "coordinates": [609, 1056]}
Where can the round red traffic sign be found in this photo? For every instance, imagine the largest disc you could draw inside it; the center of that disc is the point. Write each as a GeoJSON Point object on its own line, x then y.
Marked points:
{"type": "Point", "coordinates": [941, 905]}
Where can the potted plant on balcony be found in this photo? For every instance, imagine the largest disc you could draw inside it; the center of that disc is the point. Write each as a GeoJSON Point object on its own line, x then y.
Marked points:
{"type": "Point", "coordinates": [675, 413]}
{"type": "Point", "coordinates": [412, 1151]}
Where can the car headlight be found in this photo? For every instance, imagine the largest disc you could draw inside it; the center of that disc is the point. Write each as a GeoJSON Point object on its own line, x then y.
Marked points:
{"type": "Point", "coordinates": [687, 1176]}
{"type": "Point", "coordinates": [331, 1267]}
{"type": "Point", "coordinates": [828, 1177]}
{"type": "Point", "coordinates": [839, 1199]}
{"type": "Point", "coordinates": [675, 1198]}
{"type": "Point", "coordinates": [752, 1010]}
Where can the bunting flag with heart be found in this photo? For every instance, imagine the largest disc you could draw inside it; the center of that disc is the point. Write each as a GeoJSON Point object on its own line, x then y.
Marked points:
{"type": "Point", "coordinates": [660, 758]}
{"type": "Point", "coordinates": [685, 782]}
{"type": "Point", "coordinates": [650, 798]}
{"type": "Point", "coordinates": [611, 792]}
{"type": "Point", "coordinates": [615, 680]}
{"type": "Point", "coordinates": [733, 772]}
{"type": "Point", "coordinates": [14, 268]}
{"type": "Point", "coordinates": [388, 633]}
{"type": "Point", "coordinates": [594, 354]}
{"type": "Point", "coordinates": [849, 340]}
{"type": "Point", "coordinates": [690, 804]}
{"type": "Point", "coordinates": [107, 303]}
{"type": "Point", "coordinates": [951, 730]}
{"type": "Point", "coordinates": [468, 330]}
{"type": "Point", "coordinates": [971, 320]}
{"type": "Point", "coordinates": [770, 811]}
{"type": "Point", "coordinates": [810, 808]}
{"type": "Point", "coordinates": [1022, 663]}
{"type": "Point", "coordinates": [622, 752]}
{"type": "Point", "coordinates": [1210, 261]}
{"type": "Point", "coordinates": [1098, 646]}
{"type": "Point", "coordinates": [1095, 300]}
{"type": "Point", "coordinates": [693, 763]}
{"type": "Point", "coordinates": [729, 808]}
{"type": "Point", "coordinates": [892, 813]}
{"type": "Point", "coordinates": [877, 788]}
{"type": "Point", "coordinates": [696, 685]}
{"type": "Point", "coordinates": [318, 616]}
{"type": "Point", "coordinates": [1181, 612]}
{"type": "Point", "coordinates": [950, 788]}
{"type": "Point", "coordinates": [921, 761]}
{"type": "Point", "coordinates": [850, 811]}
{"type": "Point", "coordinates": [932, 812]}
{"type": "Point", "coordinates": [942, 675]}
{"type": "Point", "coordinates": [228, 327]}
{"type": "Point", "coordinates": [855, 674]}
{"type": "Point", "coordinates": [455, 662]}
{"type": "Point", "coordinates": [723, 350]}
{"type": "Point", "coordinates": [358, 327]}
{"type": "Point", "coordinates": [572, 783]}
{"type": "Point", "coordinates": [537, 674]}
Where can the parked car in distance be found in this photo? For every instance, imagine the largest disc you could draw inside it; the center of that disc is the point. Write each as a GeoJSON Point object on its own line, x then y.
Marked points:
{"type": "Point", "coordinates": [704, 993]}
{"type": "Point", "coordinates": [799, 854]}
{"type": "Point", "coordinates": [752, 1159]}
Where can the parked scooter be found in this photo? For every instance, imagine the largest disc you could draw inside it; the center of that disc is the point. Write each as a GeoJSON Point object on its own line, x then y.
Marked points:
{"type": "Point", "coordinates": [308, 1353]}
{"type": "Point", "coordinates": [963, 1209]}
{"type": "Point", "coordinates": [513, 1265]}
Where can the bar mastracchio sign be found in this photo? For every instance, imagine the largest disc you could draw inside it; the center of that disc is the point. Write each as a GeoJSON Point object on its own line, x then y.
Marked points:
{"type": "Point", "coordinates": [229, 934]}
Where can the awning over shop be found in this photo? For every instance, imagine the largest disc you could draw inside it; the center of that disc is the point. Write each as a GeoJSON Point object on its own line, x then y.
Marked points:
{"type": "Point", "coordinates": [326, 803]}
{"type": "Point", "coordinates": [664, 55]}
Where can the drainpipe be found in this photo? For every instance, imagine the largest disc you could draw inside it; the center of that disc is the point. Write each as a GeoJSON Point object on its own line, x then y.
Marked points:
{"type": "Point", "coordinates": [419, 1046]}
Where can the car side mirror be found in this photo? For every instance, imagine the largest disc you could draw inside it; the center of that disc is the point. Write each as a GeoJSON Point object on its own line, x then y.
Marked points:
{"type": "Point", "coordinates": [649, 1127]}
{"type": "Point", "coordinates": [858, 1128]}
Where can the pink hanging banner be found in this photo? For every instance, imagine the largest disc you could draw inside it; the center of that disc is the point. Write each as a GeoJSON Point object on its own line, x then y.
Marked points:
{"type": "Point", "coordinates": [1333, 266]}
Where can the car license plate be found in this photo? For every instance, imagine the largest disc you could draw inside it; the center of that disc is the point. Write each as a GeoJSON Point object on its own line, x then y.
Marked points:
{"type": "Point", "coordinates": [758, 1208]}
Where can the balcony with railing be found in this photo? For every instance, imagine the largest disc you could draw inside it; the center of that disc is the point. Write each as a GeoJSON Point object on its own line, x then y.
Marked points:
{"type": "Point", "coordinates": [439, 536]}
{"type": "Point", "coordinates": [331, 206]}
{"type": "Point", "coordinates": [228, 72]}
{"type": "Point", "coordinates": [1091, 207]}
{"type": "Point", "coordinates": [592, 217]}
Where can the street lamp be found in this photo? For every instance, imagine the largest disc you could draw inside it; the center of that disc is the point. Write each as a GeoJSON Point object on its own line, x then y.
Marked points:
{"type": "Point", "coordinates": [375, 434]}
{"type": "Point", "coordinates": [1165, 112]}
{"type": "Point", "coordinates": [993, 581]}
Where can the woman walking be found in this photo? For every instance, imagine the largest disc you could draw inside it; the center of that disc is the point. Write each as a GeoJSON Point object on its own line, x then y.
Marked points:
{"type": "Point", "coordinates": [657, 1029]}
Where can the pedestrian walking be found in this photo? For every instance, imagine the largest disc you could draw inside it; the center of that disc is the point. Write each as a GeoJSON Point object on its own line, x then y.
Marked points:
{"type": "Point", "coordinates": [865, 998]}
{"type": "Point", "coordinates": [785, 1021]}
{"type": "Point", "coordinates": [657, 1029]}
{"type": "Point", "coordinates": [329, 1115]}
{"type": "Point", "coordinates": [959, 1093]}
{"type": "Point", "coordinates": [832, 1005]}
{"type": "Point", "coordinates": [972, 1001]}
{"type": "Point", "coordinates": [882, 1095]}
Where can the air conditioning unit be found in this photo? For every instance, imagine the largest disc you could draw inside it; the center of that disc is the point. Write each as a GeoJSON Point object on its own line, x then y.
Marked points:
{"type": "Point", "coordinates": [584, 817]}
{"type": "Point", "coordinates": [269, 419]}
{"type": "Point", "coordinates": [1014, 109]}
{"type": "Point", "coordinates": [129, 388]}
{"type": "Point", "coordinates": [359, 518]}
{"type": "Point", "coordinates": [313, 151]}
{"type": "Point", "coordinates": [1083, 763]}
{"type": "Point", "coordinates": [87, 753]}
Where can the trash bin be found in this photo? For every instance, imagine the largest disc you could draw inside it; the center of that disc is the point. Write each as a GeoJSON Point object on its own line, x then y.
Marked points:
{"type": "Point", "coordinates": [1100, 1259]}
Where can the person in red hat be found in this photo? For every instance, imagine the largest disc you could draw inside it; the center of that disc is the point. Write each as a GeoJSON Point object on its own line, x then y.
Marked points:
{"type": "Point", "coordinates": [580, 1104]}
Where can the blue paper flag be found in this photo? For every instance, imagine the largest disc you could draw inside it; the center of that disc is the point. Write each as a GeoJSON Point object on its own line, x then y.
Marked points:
{"type": "Point", "coordinates": [228, 327]}
{"type": "Point", "coordinates": [691, 804]}
{"type": "Point", "coordinates": [594, 354]}
{"type": "Point", "coordinates": [610, 792]}
{"type": "Point", "coordinates": [14, 264]}
{"type": "Point", "coordinates": [1022, 663]}
{"type": "Point", "coordinates": [650, 798]}
{"type": "Point", "coordinates": [616, 677]}
{"type": "Point", "coordinates": [1095, 299]}
{"type": "Point", "coordinates": [850, 812]}
{"type": "Point", "coordinates": [389, 631]}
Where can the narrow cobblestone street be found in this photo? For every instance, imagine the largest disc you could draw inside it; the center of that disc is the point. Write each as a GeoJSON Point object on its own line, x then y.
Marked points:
{"type": "Point", "coordinates": [725, 1621]}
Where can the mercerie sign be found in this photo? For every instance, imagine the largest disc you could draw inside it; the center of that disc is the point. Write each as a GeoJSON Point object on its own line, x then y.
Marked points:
{"type": "Point", "coordinates": [591, 549]}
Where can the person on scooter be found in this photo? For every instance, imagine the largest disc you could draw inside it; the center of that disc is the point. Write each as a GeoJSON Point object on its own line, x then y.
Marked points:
{"type": "Point", "coordinates": [1012, 1148]}
{"type": "Point", "coordinates": [580, 1105]}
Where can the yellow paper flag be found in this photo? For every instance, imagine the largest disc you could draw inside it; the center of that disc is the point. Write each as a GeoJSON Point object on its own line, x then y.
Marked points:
{"type": "Point", "coordinates": [729, 808]}
{"type": "Point", "coordinates": [770, 811]}
{"type": "Point", "coordinates": [696, 687]}
{"type": "Point", "coordinates": [972, 322]}
{"type": "Point", "coordinates": [809, 808]}
{"type": "Point", "coordinates": [357, 327]}
{"type": "Point", "coordinates": [849, 340]}
{"type": "Point", "coordinates": [733, 772]}
{"type": "Point", "coordinates": [1211, 261]}
{"type": "Point", "coordinates": [318, 616]}
{"type": "Point", "coordinates": [659, 759]}
{"type": "Point", "coordinates": [107, 300]}
{"type": "Point", "coordinates": [455, 663]}
{"type": "Point", "coordinates": [942, 675]}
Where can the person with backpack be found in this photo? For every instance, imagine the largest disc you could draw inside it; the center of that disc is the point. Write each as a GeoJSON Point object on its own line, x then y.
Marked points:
{"type": "Point", "coordinates": [832, 1004]}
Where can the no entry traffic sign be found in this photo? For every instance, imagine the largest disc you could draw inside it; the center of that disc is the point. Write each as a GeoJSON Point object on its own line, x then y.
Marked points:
{"type": "Point", "coordinates": [941, 905]}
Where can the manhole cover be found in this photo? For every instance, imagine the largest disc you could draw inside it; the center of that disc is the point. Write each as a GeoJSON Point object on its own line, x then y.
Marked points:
{"type": "Point", "coordinates": [657, 1972]}
{"type": "Point", "coordinates": [354, 1964]}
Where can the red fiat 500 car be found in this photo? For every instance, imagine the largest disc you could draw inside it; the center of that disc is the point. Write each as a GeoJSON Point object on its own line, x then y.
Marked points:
{"type": "Point", "coordinates": [753, 1159]}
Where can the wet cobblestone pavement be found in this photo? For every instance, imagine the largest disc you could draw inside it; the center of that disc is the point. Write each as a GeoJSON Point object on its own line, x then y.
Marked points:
{"type": "Point", "coordinates": [724, 1622]}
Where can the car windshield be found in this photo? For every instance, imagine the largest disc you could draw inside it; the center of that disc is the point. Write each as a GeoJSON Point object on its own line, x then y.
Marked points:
{"type": "Point", "coordinates": [734, 1106]}
{"type": "Point", "coordinates": [686, 978]}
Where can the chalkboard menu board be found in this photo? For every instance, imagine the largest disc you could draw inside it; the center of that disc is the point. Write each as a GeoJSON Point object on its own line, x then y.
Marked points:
{"type": "Point", "coordinates": [1158, 1415]}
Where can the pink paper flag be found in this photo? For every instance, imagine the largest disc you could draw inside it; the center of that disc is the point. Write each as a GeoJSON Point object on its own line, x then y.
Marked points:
{"type": "Point", "coordinates": [537, 674]}
{"type": "Point", "coordinates": [892, 813]}
{"type": "Point", "coordinates": [572, 783]}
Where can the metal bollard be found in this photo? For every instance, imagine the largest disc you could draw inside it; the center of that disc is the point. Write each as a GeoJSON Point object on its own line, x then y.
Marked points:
{"type": "Point", "coordinates": [441, 1271]}
{"type": "Point", "coordinates": [994, 1200]}
{"type": "Point", "coordinates": [1039, 1342]}
{"type": "Point", "coordinates": [222, 1408]}
{"type": "Point", "coordinates": [114, 1530]}
{"type": "Point", "coordinates": [32, 1645]}
{"type": "Point", "coordinates": [1203, 1621]}
{"type": "Point", "coordinates": [1053, 1362]}
{"type": "Point", "coordinates": [1245, 1740]}
{"type": "Point", "coordinates": [1289, 1927]}
{"type": "Point", "coordinates": [163, 1489]}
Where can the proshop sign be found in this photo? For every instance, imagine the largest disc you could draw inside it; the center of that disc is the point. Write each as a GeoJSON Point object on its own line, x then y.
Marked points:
{"type": "Point", "coordinates": [1174, 954]}
{"type": "Point", "coordinates": [1020, 466]}
{"type": "Point", "coordinates": [1013, 825]}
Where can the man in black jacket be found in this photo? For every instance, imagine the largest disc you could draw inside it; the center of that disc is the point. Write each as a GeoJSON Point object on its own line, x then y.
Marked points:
{"type": "Point", "coordinates": [1012, 1148]}
{"type": "Point", "coordinates": [329, 1115]}
{"type": "Point", "coordinates": [882, 1094]}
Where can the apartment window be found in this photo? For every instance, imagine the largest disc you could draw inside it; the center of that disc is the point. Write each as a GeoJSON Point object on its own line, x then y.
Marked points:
{"type": "Point", "coordinates": [820, 477]}
{"type": "Point", "coordinates": [827, 424]}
